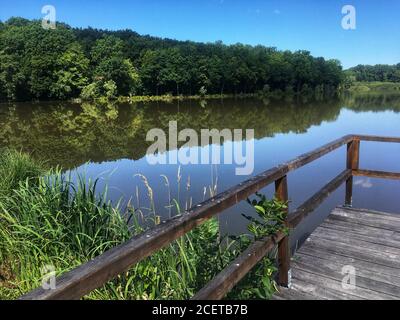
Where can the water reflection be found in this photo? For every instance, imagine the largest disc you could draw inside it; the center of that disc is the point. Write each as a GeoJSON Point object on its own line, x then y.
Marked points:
{"type": "Point", "coordinates": [72, 134]}
{"type": "Point", "coordinates": [109, 141]}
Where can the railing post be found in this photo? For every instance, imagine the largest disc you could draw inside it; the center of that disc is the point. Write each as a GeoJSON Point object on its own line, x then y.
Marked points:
{"type": "Point", "coordinates": [349, 192]}
{"type": "Point", "coordinates": [353, 154]}
{"type": "Point", "coordinates": [353, 163]}
{"type": "Point", "coordinates": [281, 194]}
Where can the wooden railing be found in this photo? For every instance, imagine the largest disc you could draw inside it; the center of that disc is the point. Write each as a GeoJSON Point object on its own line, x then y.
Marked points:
{"type": "Point", "coordinates": [92, 275]}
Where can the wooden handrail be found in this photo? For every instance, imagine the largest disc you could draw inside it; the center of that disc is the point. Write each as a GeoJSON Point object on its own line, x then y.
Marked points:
{"type": "Point", "coordinates": [95, 273]}
{"type": "Point", "coordinates": [309, 206]}
{"type": "Point", "coordinates": [230, 276]}
{"type": "Point", "coordinates": [376, 174]}
{"type": "Point", "coordinates": [364, 137]}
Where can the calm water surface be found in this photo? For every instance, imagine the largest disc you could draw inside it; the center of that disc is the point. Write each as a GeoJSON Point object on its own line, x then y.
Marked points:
{"type": "Point", "coordinates": [108, 142]}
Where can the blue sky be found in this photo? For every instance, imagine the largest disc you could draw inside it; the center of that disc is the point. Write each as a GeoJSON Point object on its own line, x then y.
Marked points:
{"type": "Point", "coordinates": [313, 25]}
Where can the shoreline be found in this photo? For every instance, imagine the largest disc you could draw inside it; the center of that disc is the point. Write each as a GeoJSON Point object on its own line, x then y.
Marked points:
{"type": "Point", "coordinates": [358, 88]}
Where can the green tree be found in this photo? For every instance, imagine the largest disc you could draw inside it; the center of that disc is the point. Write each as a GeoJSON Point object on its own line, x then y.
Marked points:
{"type": "Point", "coordinates": [66, 62]}
{"type": "Point", "coordinates": [122, 72]}
{"type": "Point", "coordinates": [107, 48]}
{"type": "Point", "coordinates": [71, 73]}
{"type": "Point", "coordinates": [12, 80]}
{"type": "Point", "coordinates": [150, 68]}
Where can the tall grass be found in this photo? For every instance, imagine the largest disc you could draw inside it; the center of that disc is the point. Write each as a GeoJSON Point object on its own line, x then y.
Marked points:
{"type": "Point", "coordinates": [50, 221]}
{"type": "Point", "coordinates": [45, 219]}
{"type": "Point", "coordinates": [15, 167]}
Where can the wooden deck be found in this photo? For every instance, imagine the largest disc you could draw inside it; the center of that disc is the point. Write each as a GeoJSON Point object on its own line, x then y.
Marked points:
{"type": "Point", "coordinates": [371, 245]}
{"type": "Point", "coordinates": [367, 240]}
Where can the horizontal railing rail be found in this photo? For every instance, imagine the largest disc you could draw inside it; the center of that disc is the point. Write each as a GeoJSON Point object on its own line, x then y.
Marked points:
{"type": "Point", "coordinates": [95, 273]}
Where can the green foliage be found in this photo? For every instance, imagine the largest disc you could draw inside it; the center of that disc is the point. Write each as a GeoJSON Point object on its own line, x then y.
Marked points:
{"type": "Point", "coordinates": [35, 53]}
{"type": "Point", "coordinates": [375, 87]}
{"type": "Point", "coordinates": [46, 219]}
{"type": "Point", "coordinates": [91, 91]}
{"type": "Point", "coordinates": [269, 220]}
{"type": "Point", "coordinates": [61, 63]}
{"type": "Point", "coordinates": [271, 217]}
{"type": "Point", "coordinates": [258, 283]}
{"type": "Point", "coordinates": [349, 79]}
{"type": "Point", "coordinates": [11, 78]}
{"type": "Point", "coordinates": [121, 72]}
{"type": "Point", "coordinates": [71, 76]}
{"type": "Point", "coordinates": [202, 91]}
{"type": "Point", "coordinates": [52, 221]}
{"type": "Point", "coordinates": [106, 48]}
{"type": "Point", "coordinates": [110, 89]}
{"type": "Point", "coordinates": [16, 167]}
{"type": "Point", "coordinates": [379, 72]}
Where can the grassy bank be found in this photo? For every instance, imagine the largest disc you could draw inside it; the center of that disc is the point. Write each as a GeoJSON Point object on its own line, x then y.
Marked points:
{"type": "Point", "coordinates": [374, 87]}
{"type": "Point", "coordinates": [46, 220]}
{"type": "Point", "coordinates": [262, 94]}
{"type": "Point", "coordinates": [167, 98]}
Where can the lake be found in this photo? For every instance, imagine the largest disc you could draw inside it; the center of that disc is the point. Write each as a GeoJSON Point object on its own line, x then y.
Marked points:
{"type": "Point", "coordinates": [108, 143]}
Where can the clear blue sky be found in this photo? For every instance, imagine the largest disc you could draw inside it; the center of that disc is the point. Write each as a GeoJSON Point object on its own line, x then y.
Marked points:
{"type": "Point", "coordinates": [313, 25]}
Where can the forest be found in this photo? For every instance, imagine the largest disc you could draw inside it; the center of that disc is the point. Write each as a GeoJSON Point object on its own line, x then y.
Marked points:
{"type": "Point", "coordinates": [379, 72]}
{"type": "Point", "coordinates": [66, 63]}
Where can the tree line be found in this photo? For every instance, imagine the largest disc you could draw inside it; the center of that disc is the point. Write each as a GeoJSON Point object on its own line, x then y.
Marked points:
{"type": "Point", "coordinates": [70, 62]}
{"type": "Point", "coordinates": [379, 72]}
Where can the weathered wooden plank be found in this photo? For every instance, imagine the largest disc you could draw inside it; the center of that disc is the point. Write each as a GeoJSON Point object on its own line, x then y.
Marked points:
{"type": "Point", "coordinates": [224, 282]}
{"type": "Point", "coordinates": [343, 236]}
{"type": "Point", "coordinates": [320, 293]}
{"type": "Point", "coordinates": [315, 201]}
{"type": "Point", "coordinates": [352, 163]}
{"type": "Point", "coordinates": [312, 252]}
{"type": "Point", "coordinates": [335, 263]}
{"type": "Point", "coordinates": [290, 294]}
{"type": "Point", "coordinates": [311, 284]}
{"type": "Point", "coordinates": [281, 193]}
{"type": "Point", "coordinates": [353, 154]}
{"type": "Point", "coordinates": [376, 138]}
{"type": "Point", "coordinates": [361, 253]}
{"type": "Point", "coordinates": [358, 229]}
{"type": "Point", "coordinates": [395, 216]}
{"type": "Point", "coordinates": [353, 240]}
{"type": "Point", "coordinates": [377, 174]}
{"type": "Point", "coordinates": [333, 270]}
{"type": "Point", "coordinates": [324, 282]}
{"type": "Point", "coordinates": [221, 285]}
{"type": "Point", "coordinates": [370, 215]}
{"type": "Point", "coordinates": [367, 240]}
{"type": "Point", "coordinates": [383, 224]}
{"type": "Point", "coordinates": [324, 293]}
{"type": "Point", "coordinates": [349, 192]}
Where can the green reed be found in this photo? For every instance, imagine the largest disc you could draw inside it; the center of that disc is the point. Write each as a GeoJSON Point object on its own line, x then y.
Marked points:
{"type": "Point", "coordinates": [46, 219]}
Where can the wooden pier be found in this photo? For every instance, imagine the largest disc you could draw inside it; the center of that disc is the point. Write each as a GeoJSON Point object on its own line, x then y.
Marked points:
{"type": "Point", "coordinates": [366, 240]}
{"type": "Point", "coordinates": [363, 243]}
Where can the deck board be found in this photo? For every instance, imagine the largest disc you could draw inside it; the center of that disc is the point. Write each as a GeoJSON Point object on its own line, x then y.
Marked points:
{"type": "Point", "coordinates": [367, 240]}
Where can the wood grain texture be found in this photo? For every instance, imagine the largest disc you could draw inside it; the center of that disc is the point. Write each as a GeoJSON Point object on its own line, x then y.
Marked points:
{"type": "Point", "coordinates": [230, 276]}
{"type": "Point", "coordinates": [281, 193]}
{"type": "Point", "coordinates": [353, 154]}
{"type": "Point", "coordinates": [376, 138]}
{"type": "Point", "coordinates": [369, 241]}
{"type": "Point", "coordinates": [377, 174]}
{"type": "Point", "coordinates": [296, 217]}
